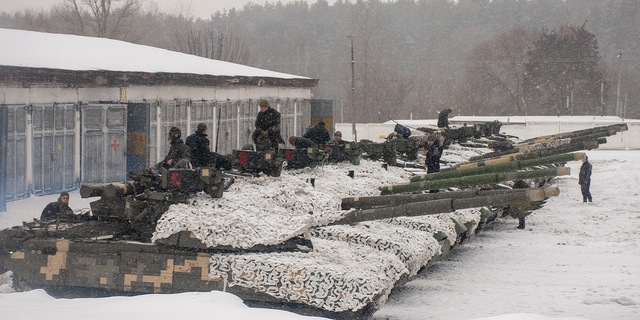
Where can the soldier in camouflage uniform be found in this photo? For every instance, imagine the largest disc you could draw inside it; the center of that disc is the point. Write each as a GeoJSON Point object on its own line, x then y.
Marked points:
{"type": "Point", "coordinates": [267, 134]}
{"type": "Point", "coordinates": [179, 153]}
{"type": "Point", "coordinates": [57, 209]}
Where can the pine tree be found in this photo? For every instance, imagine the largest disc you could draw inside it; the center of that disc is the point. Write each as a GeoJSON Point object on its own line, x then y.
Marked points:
{"type": "Point", "coordinates": [565, 73]}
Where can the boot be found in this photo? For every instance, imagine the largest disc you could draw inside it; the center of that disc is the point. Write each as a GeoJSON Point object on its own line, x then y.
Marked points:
{"type": "Point", "coordinates": [521, 223]}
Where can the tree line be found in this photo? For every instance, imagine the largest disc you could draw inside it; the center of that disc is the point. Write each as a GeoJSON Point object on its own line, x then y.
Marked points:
{"type": "Point", "coordinates": [412, 58]}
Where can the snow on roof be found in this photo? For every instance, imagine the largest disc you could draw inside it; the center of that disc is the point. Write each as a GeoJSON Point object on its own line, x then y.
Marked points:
{"type": "Point", "coordinates": [515, 120]}
{"type": "Point", "coordinates": [77, 53]}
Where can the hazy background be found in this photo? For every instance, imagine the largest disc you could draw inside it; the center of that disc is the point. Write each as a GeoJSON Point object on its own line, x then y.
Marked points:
{"type": "Point", "coordinates": [201, 8]}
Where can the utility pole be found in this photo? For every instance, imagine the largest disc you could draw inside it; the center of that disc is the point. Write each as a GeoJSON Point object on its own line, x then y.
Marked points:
{"type": "Point", "coordinates": [619, 72]}
{"type": "Point", "coordinates": [353, 92]}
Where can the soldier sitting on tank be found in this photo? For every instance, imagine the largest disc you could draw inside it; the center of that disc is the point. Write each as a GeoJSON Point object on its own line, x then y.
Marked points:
{"type": "Point", "coordinates": [318, 134]}
{"type": "Point", "coordinates": [178, 156]}
{"type": "Point", "coordinates": [301, 142]}
{"type": "Point", "coordinates": [201, 155]}
{"type": "Point", "coordinates": [338, 152]}
{"type": "Point", "coordinates": [58, 209]}
{"type": "Point", "coordinates": [267, 134]}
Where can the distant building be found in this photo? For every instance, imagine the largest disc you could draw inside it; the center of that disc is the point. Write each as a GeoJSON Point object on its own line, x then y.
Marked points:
{"type": "Point", "coordinates": [89, 110]}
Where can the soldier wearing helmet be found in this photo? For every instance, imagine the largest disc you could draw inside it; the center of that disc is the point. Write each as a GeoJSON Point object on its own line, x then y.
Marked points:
{"type": "Point", "coordinates": [179, 153]}
{"type": "Point", "coordinates": [267, 134]}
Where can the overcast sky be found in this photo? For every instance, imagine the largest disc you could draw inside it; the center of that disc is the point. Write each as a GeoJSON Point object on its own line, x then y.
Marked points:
{"type": "Point", "coordinates": [200, 8]}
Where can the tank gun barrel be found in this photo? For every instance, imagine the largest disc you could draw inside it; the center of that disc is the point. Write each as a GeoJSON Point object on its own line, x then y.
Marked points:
{"type": "Point", "coordinates": [546, 152]}
{"type": "Point", "coordinates": [610, 130]}
{"type": "Point", "coordinates": [444, 205]}
{"type": "Point", "coordinates": [501, 167]}
{"type": "Point", "coordinates": [392, 200]}
{"type": "Point", "coordinates": [107, 190]}
{"type": "Point", "coordinates": [474, 180]}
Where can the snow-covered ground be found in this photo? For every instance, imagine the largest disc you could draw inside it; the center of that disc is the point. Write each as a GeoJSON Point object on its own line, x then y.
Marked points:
{"type": "Point", "coordinates": [573, 261]}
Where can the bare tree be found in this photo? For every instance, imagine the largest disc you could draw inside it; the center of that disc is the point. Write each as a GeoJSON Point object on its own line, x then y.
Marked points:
{"type": "Point", "coordinates": [100, 18]}
{"type": "Point", "coordinates": [496, 67]}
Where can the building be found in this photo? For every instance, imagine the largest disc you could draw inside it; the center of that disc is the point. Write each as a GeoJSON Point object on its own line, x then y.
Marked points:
{"type": "Point", "coordinates": [89, 110]}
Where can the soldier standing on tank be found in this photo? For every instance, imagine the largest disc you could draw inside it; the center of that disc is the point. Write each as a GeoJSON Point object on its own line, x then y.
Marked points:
{"type": "Point", "coordinates": [443, 118]}
{"type": "Point", "coordinates": [57, 209]}
{"type": "Point", "coordinates": [433, 154]}
{"type": "Point", "coordinates": [267, 134]}
{"type": "Point", "coordinates": [584, 179]}
{"type": "Point", "coordinates": [179, 153]}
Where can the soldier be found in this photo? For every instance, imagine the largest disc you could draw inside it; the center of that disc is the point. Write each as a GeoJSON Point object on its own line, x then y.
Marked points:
{"type": "Point", "coordinates": [57, 209]}
{"type": "Point", "coordinates": [338, 152]}
{"type": "Point", "coordinates": [433, 153]}
{"type": "Point", "coordinates": [178, 156]}
{"type": "Point", "coordinates": [201, 155]}
{"type": "Point", "coordinates": [318, 134]}
{"type": "Point", "coordinates": [267, 134]}
{"type": "Point", "coordinates": [443, 118]}
{"type": "Point", "coordinates": [300, 142]}
{"type": "Point", "coordinates": [585, 179]}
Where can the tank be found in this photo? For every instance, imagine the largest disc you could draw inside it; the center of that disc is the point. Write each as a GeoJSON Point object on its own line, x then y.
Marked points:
{"type": "Point", "coordinates": [317, 241]}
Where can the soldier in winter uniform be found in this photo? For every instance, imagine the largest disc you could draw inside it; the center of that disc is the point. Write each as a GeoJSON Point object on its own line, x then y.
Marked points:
{"type": "Point", "coordinates": [201, 155]}
{"type": "Point", "coordinates": [433, 153]}
{"type": "Point", "coordinates": [301, 142]}
{"type": "Point", "coordinates": [443, 118]}
{"type": "Point", "coordinates": [318, 134]}
{"type": "Point", "coordinates": [267, 134]}
{"type": "Point", "coordinates": [338, 152]}
{"type": "Point", "coordinates": [57, 209]}
{"type": "Point", "coordinates": [585, 179]}
{"type": "Point", "coordinates": [179, 153]}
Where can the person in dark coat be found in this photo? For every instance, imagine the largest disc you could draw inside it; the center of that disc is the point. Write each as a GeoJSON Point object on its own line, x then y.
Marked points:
{"type": "Point", "coordinates": [201, 154]}
{"type": "Point", "coordinates": [318, 134]}
{"type": "Point", "coordinates": [433, 153]}
{"type": "Point", "coordinates": [267, 134]}
{"type": "Point", "coordinates": [337, 147]}
{"type": "Point", "coordinates": [58, 209]}
{"type": "Point", "coordinates": [198, 144]}
{"type": "Point", "coordinates": [177, 152]}
{"type": "Point", "coordinates": [443, 118]}
{"type": "Point", "coordinates": [584, 179]}
{"type": "Point", "coordinates": [301, 142]}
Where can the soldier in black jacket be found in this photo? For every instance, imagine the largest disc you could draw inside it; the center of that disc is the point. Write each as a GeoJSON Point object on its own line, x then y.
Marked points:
{"type": "Point", "coordinates": [301, 142]}
{"type": "Point", "coordinates": [201, 154]}
{"type": "Point", "coordinates": [433, 153]}
{"type": "Point", "coordinates": [58, 209]}
{"type": "Point", "coordinates": [267, 134]}
{"type": "Point", "coordinates": [179, 153]}
{"type": "Point", "coordinates": [318, 134]}
{"type": "Point", "coordinates": [585, 179]}
{"type": "Point", "coordinates": [198, 144]}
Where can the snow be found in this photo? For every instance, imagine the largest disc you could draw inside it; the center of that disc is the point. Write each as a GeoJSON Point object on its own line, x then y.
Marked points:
{"type": "Point", "coordinates": [78, 53]}
{"type": "Point", "coordinates": [573, 261]}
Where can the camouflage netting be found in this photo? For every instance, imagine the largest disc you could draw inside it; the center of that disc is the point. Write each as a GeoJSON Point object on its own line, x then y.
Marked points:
{"type": "Point", "coordinates": [269, 210]}
{"type": "Point", "coordinates": [350, 267]}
